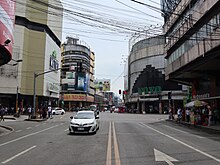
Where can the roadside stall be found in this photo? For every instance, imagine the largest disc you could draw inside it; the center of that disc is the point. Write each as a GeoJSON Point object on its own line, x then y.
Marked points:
{"type": "Point", "coordinates": [197, 112]}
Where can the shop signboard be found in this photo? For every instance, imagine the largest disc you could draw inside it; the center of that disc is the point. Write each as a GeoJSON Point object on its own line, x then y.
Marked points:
{"type": "Point", "coordinates": [74, 97]}
{"type": "Point", "coordinates": [7, 17]}
{"type": "Point", "coordinates": [150, 90]}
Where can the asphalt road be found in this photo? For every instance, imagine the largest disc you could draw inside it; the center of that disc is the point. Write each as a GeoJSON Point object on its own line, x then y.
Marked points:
{"type": "Point", "coordinates": [123, 139]}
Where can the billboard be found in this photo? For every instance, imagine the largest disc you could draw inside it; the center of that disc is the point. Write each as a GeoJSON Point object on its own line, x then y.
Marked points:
{"type": "Point", "coordinates": [7, 19]}
{"type": "Point", "coordinates": [102, 84]}
{"type": "Point", "coordinates": [70, 79]}
{"type": "Point", "coordinates": [82, 81]}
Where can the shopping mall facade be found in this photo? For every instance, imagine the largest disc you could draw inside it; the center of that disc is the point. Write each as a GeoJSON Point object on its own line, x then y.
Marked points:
{"type": "Point", "coordinates": [37, 41]}
{"type": "Point", "coordinates": [146, 90]}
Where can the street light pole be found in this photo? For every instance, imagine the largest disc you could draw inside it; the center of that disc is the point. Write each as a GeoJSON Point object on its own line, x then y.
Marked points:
{"type": "Point", "coordinates": [34, 96]}
{"type": "Point", "coordinates": [34, 99]}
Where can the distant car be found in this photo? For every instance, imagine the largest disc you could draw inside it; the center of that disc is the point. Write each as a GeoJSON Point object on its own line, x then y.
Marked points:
{"type": "Point", "coordinates": [58, 111]}
{"type": "Point", "coordinates": [84, 122]}
{"type": "Point", "coordinates": [121, 109]}
{"type": "Point", "coordinates": [116, 110]}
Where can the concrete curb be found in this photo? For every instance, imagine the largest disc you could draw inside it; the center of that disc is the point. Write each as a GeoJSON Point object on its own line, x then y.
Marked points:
{"type": "Point", "coordinates": [7, 127]}
{"type": "Point", "coordinates": [207, 129]}
{"type": "Point", "coordinates": [11, 118]}
{"type": "Point", "coordinates": [37, 120]}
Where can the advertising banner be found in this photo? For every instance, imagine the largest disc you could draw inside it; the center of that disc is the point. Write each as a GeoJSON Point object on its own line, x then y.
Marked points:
{"type": "Point", "coordinates": [7, 19]}
{"type": "Point", "coordinates": [102, 84]}
{"type": "Point", "coordinates": [81, 81]}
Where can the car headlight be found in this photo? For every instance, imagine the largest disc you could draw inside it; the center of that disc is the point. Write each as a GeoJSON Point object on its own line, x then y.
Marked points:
{"type": "Point", "coordinates": [91, 123]}
{"type": "Point", "coordinates": [74, 123]}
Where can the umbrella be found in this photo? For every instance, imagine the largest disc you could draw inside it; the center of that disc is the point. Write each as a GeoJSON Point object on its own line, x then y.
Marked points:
{"type": "Point", "coordinates": [196, 103]}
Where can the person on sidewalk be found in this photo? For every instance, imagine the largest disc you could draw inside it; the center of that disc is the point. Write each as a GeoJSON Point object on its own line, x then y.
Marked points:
{"type": "Point", "coordinates": [187, 115]}
{"type": "Point", "coordinates": [2, 113]}
{"type": "Point", "coordinates": [216, 114]}
{"type": "Point", "coordinates": [49, 112]}
{"type": "Point", "coordinates": [29, 112]}
{"type": "Point", "coordinates": [179, 114]}
{"type": "Point", "coordinates": [210, 115]}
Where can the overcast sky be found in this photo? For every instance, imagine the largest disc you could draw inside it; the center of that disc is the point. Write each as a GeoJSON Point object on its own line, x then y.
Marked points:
{"type": "Point", "coordinates": [106, 26]}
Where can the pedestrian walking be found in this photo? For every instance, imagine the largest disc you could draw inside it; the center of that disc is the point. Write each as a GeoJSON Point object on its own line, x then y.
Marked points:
{"type": "Point", "coordinates": [49, 112]}
{"type": "Point", "coordinates": [187, 115]}
{"type": "Point", "coordinates": [44, 113]}
{"type": "Point", "coordinates": [210, 115]}
{"type": "Point", "coordinates": [179, 114]}
{"type": "Point", "coordinates": [2, 113]}
{"type": "Point", "coordinates": [29, 112]}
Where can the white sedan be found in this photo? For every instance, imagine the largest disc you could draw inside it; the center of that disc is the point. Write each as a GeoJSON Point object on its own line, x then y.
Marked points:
{"type": "Point", "coordinates": [58, 111]}
{"type": "Point", "coordinates": [84, 122]}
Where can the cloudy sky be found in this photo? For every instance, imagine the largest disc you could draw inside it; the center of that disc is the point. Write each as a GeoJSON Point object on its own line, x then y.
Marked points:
{"type": "Point", "coordinates": [109, 27]}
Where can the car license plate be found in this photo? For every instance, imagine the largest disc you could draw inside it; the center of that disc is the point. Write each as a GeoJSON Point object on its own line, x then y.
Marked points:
{"type": "Point", "coordinates": [80, 128]}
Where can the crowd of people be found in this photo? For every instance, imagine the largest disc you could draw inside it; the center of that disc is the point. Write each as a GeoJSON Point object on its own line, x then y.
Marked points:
{"type": "Point", "coordinates": [44, 112]}
{"type": "Point", "coordinates": [204, 115]}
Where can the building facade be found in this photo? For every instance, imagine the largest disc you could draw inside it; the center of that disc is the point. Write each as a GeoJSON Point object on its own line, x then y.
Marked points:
{"type": "Point", "coordinates": [192, 47]}
{"type": "Point", "coordinates": [146, 89]}
{"type": "Point", "coordinates": [37, 41]}
{"type": "Point", "coordinates": [77, 77]}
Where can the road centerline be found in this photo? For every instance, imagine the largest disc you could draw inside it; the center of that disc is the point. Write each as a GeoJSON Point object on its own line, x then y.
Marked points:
{"type": "Point", "coordinates": [117, 156]}
{"type": "Point", "coordinates": [109, 148]}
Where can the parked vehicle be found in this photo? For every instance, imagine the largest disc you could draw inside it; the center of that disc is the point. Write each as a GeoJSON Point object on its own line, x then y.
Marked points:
{"type": "Point", "coordinates": [84, 122]}
{"type": "Point", "coordinates": [58, 111]}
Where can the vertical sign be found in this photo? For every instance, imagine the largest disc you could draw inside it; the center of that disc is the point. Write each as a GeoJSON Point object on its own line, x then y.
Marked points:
{"type": "Point", "coordinates": [7, 19]}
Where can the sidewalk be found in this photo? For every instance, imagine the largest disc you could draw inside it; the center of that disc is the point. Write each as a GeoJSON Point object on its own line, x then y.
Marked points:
{"type": "Point", "coordinates": [21, 118]}
{"type": "Point", "coordinates": [3, 124]}
{"type": "Point", "coordinates": [213, 129]}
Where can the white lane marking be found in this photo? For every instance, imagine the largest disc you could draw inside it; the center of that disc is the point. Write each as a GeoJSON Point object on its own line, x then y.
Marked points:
{"type": "Point", "coordinates": [28, 127]}
{"type": "Point", "coordinates": [109, 148]}
{"type": "Point", "coordinates": [31, 134]}
{"type": "Point", "coordinates": [66, 129]}
{"type": "Point", "coordinates": [61, 117]}
{"type": "Point", "coordinates": [162, 157]}
{"type": "Point", "coordinates": [187, 145]}
{"type": "Point", "coordinates": [15, 156]}
{"type": "Point", "coordinates": [18, 130]}
{"type": "Point", "coordinates": [184, 132]}
{"type": "Point", "coordinates": [117, 157]}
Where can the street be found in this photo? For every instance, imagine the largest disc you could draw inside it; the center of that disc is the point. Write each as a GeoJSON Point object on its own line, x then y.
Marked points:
{"type": "Point", "coordinates": [123, 139]}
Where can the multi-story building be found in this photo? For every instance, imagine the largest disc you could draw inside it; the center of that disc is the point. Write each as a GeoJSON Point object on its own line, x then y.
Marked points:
{"type": "Point", "coordinates": [37, 41]}
{"type": "Point", "coordinates": [146, 89]}
{"type": "Point", "coordinates": [77, 77]}
{"type": "Point", "coordinates": [192, 46]}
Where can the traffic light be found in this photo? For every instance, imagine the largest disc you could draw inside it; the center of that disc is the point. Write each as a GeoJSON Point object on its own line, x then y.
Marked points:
{"type": "Point", "coordinates": [119, 91]}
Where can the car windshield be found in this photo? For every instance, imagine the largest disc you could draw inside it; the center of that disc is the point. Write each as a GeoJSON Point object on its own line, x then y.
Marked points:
{"type": "Point", "coordinates": [86, 115]}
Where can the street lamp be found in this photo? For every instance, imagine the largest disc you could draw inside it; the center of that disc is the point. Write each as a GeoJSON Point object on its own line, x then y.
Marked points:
{"type": "Point", "coordinates": [34, 96]}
